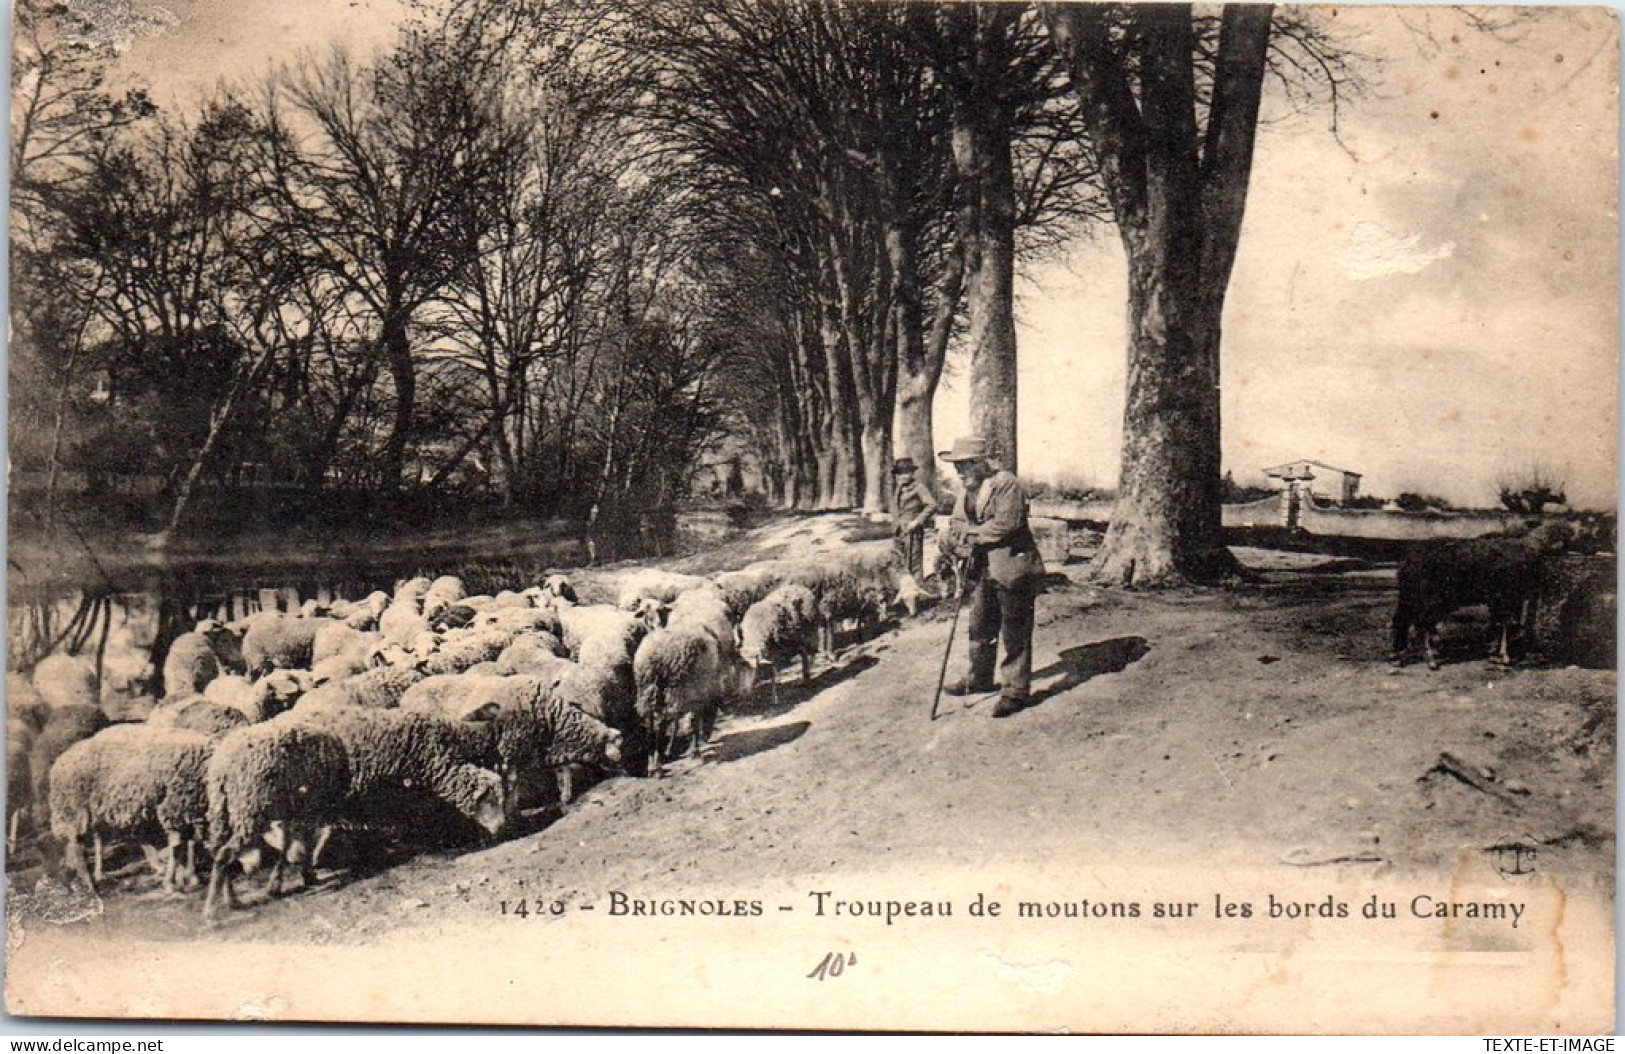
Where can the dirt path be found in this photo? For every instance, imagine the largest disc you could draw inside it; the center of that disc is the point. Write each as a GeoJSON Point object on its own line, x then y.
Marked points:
{"type": "Point", "coordinates": [1254, 731]}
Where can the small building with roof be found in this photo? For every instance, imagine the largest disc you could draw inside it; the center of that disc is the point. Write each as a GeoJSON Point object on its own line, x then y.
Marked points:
{"type": "Point", "coordinates": [1324, 482]}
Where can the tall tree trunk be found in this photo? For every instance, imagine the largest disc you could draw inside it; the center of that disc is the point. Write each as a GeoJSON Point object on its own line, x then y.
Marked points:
{"type": "Point", "coordinates": [982, 154]}
{"type": "Point", "coordinates": [222, 416]}
{"type": "Point", "coordinates": [398, 353]}
{"type": "Point", "coordinates": [842, 438]}
{"type": "Point", "coordinates": [59, 425]}
{"type": "Point", "coordinates": [1178, 197]}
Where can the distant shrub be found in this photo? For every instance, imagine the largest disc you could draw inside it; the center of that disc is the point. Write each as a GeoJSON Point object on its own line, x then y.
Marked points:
{"type": "Point", "coordinates": [1365, 501]}
{"type": "Point", "coordinates": [1410, 501]}
{"type": "Point", "coordinates": [1531, 490]}
{"type": "Point", "coordinates": [1236, 494]}
{"type": "Point", "coordinates": [1065, 486]}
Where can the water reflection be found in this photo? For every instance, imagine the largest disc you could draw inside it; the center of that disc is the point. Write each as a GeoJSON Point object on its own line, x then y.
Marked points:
{"type": "Point", "coordinates": [123, 621]}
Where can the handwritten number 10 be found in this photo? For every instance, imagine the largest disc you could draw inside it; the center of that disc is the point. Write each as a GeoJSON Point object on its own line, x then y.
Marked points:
{"type": "Point", "coordinates": [832, 964]}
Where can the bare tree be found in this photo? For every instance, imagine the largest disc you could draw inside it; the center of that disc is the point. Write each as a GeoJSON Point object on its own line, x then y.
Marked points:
{"type": "Point", "coordinates": [397, 159]}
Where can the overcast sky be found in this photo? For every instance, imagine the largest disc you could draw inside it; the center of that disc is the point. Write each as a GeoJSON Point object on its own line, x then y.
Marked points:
{"type": "Point", "coordinates": [1428, 298]}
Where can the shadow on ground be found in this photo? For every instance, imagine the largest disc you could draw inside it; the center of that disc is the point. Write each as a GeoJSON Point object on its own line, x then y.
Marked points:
{"type": "Point", "coordinates": [751, 741]}
{"type": "Point", "coordinates": [1077, 665]}
{"type": "Point", "coordinates": [776, 699]}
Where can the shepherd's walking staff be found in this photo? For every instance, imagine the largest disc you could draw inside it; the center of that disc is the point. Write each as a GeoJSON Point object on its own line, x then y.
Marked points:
{"type": "Point", "coordinates": [953, 625]}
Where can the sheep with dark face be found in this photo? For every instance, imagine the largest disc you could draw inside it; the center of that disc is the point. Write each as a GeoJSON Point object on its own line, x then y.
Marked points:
{"type": "Point", "coordinates": [1507, 574]}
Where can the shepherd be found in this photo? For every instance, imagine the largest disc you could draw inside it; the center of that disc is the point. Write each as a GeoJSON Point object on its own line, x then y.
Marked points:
{"type": "Point", "coordinates": [913, 506]}
{"type": "Point", "coordinates": [990, 534]}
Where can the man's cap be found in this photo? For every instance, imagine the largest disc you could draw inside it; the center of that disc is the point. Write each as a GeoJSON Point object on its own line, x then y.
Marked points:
{"type": "Point", "coordinates": [902, 465]}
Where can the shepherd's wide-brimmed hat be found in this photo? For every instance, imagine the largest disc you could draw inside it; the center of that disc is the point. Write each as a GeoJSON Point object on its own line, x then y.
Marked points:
{"type": "Point", "coordinates": [966, 448]}
{"type": "Point", "coordinates": [902, 465]}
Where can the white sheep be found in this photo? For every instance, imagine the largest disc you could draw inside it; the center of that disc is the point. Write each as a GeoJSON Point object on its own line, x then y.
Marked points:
{"type": "Point", "coordinates": [458, 696]}
{"type": "Point", "coordinates": [364, 614]}
{"type": "Point", "coordinates": [601, 635]}
{"type": "Point", "coordinates": [780, 627]}
{"type": "Point", "coordinates": [190, 665]}
{"type": "Point", "coordinates": [131, 779]}
{"type": "Point", "coordinates": [744, 587]}
{"type": "Point", "coordinates": [531, 723]}
{"type": "Point", "coordinates": [856, 586]}
{"type": "Point", "coordinates": [377, 689]}
{"type": "Point", "coordinates": [705, 609]}
{"type": "Point", "coordinates": [363, 654]}
{"type": "Point", "coordinates": [308, 772]}
{"type": "Point", "coordinates": [654, 584]}
{"type": "Point", "coordinates": [282, 643]}
{"type": "Point", "coordinates": [531, 652]}
{"type": "Point", "coordinates": [410, 593]}
{"type": "Point", "coordinates": [679, 673]}
{"type": "Point", "coordinates": [197, 713]}
{"type": "Point", "coordinates": [65, 726]}
{"type": "Point", "coordinates": [337, 638]}
{"type": "Point", "coordinates": [442, 593]}
{"type": "Point", "coordinates": [279, 774]}
{"type": "Point", "coordinates": [270, 695]}
{"type": "Point", "coordinates": [459, 652]}
{"type": "Point", "coordinates": [403, 624]}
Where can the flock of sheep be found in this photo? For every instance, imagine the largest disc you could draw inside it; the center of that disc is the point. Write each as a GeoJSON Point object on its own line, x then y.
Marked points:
{"type": "Point", "coordinates": [416, 711]}
{"type": "Point", "coordinates": [431, 710]}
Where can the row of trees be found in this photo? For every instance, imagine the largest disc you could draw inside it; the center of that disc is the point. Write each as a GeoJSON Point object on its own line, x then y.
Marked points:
{"type": "Point", "coordinates": [561, 249]}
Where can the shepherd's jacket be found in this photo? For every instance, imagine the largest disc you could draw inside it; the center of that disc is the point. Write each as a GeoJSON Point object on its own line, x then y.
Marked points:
{"type": "Point", "coordinates": [994, 521]}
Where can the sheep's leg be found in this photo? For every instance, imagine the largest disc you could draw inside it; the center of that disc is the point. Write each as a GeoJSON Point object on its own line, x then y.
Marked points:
{"type": "Point", "coordinates": [12, 827]}
{"type": "Point", "coordinates": [564, 776]}
{"type": "Point", "coordinates": [1430, 644]}
{"type": "Point", "coordinates": [220, 882]}
{"type": "Point", "coordinates": [806, 668]}
{"type": "Point", "coordinates": [74, 851]}
{"type": "Point", "coordinates": [96, 838]}
{"type": "Point", "coordinates": [172, 845]}
{"type": "Point", "coordinates": [323, 833]}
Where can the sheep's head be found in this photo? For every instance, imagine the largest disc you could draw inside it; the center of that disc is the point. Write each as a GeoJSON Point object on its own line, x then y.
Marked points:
{"type": "Point", "coordinates": [609, 748]}
{"type": "Point", "coordinates": [481, 795]}
{"type": "Point", "coordinates": [559, 587]}
{"type": "Point", "coordinates": [649, 611]}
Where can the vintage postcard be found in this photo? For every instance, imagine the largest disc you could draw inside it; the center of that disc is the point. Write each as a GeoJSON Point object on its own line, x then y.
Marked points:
{"type": "Point", "coordinates": [813, 515]}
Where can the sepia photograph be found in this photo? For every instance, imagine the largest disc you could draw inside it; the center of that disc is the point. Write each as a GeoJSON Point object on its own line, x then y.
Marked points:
{"type": "Point", "coordinates": [928, 516]}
